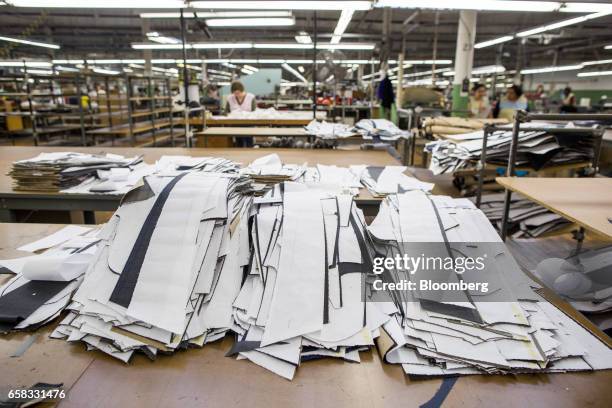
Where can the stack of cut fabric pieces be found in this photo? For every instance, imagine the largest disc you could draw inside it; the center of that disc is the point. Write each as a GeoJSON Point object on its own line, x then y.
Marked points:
{"type": "Point", "coordinates": [302, 298]}
{"type": "Point", "coordinates": [384, 180]}
{"type": "Point", "coordinates": [333, 178]}
{"type": "Point", "coordinates": [43, 283]}
{"type": "Point", "coordinates": [61, 170]}
{"type": "Point", "coordinates": [509, 329]}
{"type": "Point", "coordinates": [326, 130]}
{"type": "Point", "coordinates": [170, 265]}
{"type": "Point", "coordinates": [380, 130]}
{"type": "Point", "coordinates": [525, 218]}
{"type": "Point", "coordinates": [536, 149]}
{"type": "Point", "coordinates": [269, 170]}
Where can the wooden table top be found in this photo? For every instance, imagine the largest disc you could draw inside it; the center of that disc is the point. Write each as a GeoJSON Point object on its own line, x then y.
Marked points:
{"type": "Point", "coordinates": [205, 377]}
{"type": "Point", "coordinates": [585, 201]}
{"type": "Point", "coordinates": [241, 155]}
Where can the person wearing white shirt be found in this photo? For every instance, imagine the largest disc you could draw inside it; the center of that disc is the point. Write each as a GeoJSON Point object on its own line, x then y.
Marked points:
{"type": "Point", "coordinates": [240, 101]}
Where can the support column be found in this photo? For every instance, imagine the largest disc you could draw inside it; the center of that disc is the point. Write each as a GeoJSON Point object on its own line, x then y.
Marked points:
{"type": "Point", "coordinates": [464, 60]}
{"type": "Point", "coordinates": [400, 80]}
{"type": "Point", "coordinates": [146, 54]}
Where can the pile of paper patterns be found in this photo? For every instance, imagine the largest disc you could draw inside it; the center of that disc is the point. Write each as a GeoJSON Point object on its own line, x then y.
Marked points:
{"type": "Point", "coordinates": [536, 149]}
{"type": "Point", "coordinates": [384, 180]}
{"type": "Point", "coordinates": [509, 329]}
{"type": "Point", "coordinates": [525, 218]}
{"type": "Point", "coordinates": [269, 170]}
{"type": "Point", "coordinates": [169, 268]}
{"type": "Point", "coordinates": [327, 130]}
{"type": "Point", "coordinates": [43, 283]}
{"type": "Point", "coordinates": [61, 170]}
{"type": "Point", "coordinates": [303, 296]}
{"type": "Point", "coordinates": [380, 130]}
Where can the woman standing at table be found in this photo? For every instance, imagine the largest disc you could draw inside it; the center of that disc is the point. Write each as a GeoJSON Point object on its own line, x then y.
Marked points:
{"type": "Point", "coordinates": [240, 101]}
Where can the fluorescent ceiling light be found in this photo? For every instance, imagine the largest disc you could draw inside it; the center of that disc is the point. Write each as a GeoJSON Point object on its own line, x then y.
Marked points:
{"type": "Point", "coordinates": [498, 5]}
{"type": "Point", "coordinates": [594, 73]}
{"type": "Point", "coordinates": [68, 61]}
{"type": "Point", "coordinates": [341, 46]}
{"type": "Point", "coordinates": [551, 69]}
{"type": "Point", "coordinates": [564, 23]}
{"type": "Point", "coordinates": [346, 46]}
{"type": "Point", "coordinates": [608, 47]}
{"type": "Point", "coordinates": [33, 64]}
{"type": "Point", "coordinates": [219, 14]}
{"type": "Point", "coordinates": [203, 46]}
{"type": "Point", "coordinates": [115, 61]}
{"type": "Point", "coordinates": [489, 69]}
{"type": "Point", "coordinates": [598, 62]}
{"type": "Point", "coordinates": [158, 38]}
{"type": "Point", "coordinates": [343, 22]}
{"type": "Point", "coordinates": [251, 22]}
{"type": "Point", "coordinates": [28, 42]}
{"type": "Point", "coordinates": [294, 72]}
{"type": "Point", "coordinates": [105, 71]}
{"type": "Point", "coordinates": [282, 5]}
{"type": "Point", "coordinates": [37, 71]}
{"type": "Point", "coordinates": [66, 69]}
{"type": "Point", "coordinates": [149, 46]}
{"type": "Point", "coordinates": [494, 41]}
{"type": "Point", "coordinates": [132, 4]}
{"type": "Point", "coordinates": [303, 38]}
{"type": "Point", "coordinates": [214, 71]}
{"type": "Point", "coordinates": [293, 46]}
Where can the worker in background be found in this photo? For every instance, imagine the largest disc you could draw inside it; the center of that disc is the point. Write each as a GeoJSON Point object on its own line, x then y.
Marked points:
{"type": "Point", "coordinates": [568, 104]}
{"type": "Point", "coordinates": [479, 105]}
{"type": "Point", "coordinates": [513, 101]}
{"type": "Point", "coordinates": [240, 101]}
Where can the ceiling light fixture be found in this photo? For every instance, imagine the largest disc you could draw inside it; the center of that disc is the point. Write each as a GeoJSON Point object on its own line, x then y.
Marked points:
{"type": "Point", "coordinates": [28, 42]}
{"type": "Point", "coordinates": [341, 26]}
{"type": "Point", "coordinates": [551, 69]}
{"type": "Point", "coordinates": [219, 14]}
{"type": "Point", "coordinates": [594, 73]}
{"type": "Point", "coordinates": [251, 22]}
{"type": "Point", "coordinates": [494, 41]}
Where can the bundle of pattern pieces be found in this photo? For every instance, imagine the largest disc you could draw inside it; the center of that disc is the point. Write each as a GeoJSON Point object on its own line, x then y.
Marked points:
{"type": "Point", "coordinates": [380, 130]}
{"type": "Point", "coordinates": [536, 149]}
{"type": "Point", "coordinates": [326, 130]}
{"type": "Point", "coordinates": [61, 170]}
{"type": "Point", "coordinates": [269, 170]}
{"type": "Point", "coordinates": [509, 329]}
{"type": "Point", "coordinates": [384, 180]}
{"type": "Point", "coordinates": [120, 180]}
{"type": "Point", "coordinates": [43, 284]}
{"type": "Point", "coordinates": [525, 218]}
{"type": "Point", "coordinates": [334, 177]}
{"type": "Point", "coordinates": [302, 298]}
{"type": "Point", "coordinates": [170, 265]}
{"type": "Point", "coordinates": [443, 125]}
